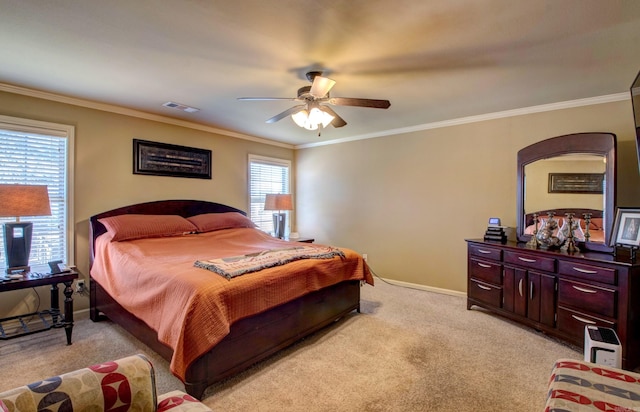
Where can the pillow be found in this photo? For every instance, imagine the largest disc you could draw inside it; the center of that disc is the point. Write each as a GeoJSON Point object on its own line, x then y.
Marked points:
{"type": "Point", "coordinates": [208, 222]}
{"type": "Point", "coordinates": [127, 227]}
{"type": "Point", "coordinates": [595, 224]}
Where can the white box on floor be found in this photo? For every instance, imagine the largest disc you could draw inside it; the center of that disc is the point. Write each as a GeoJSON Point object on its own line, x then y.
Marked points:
{"type": "Point", "coordinates": [602, 346]}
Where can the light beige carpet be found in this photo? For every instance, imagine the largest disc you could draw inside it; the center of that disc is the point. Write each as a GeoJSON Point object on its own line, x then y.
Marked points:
{"type": "Point", "coordinates": [409, 350]}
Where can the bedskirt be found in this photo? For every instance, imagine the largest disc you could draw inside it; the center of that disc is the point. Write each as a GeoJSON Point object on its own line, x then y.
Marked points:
{"type": "Point", "coordinates": [583, 386]}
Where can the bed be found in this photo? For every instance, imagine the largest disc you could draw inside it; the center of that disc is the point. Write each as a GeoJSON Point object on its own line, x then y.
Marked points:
{"type": "Point", "coordinates": [596, 228]}
{"type": "Point", "coordinates": [173, 292]}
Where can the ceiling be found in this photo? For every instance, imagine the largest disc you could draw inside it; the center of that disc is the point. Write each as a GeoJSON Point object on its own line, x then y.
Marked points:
{"type": "Point", "coordinates": [435, 60]}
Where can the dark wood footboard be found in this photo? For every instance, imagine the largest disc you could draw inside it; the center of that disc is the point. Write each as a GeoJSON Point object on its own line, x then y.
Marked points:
{"type": "Point", "coordinates": [251, 339]}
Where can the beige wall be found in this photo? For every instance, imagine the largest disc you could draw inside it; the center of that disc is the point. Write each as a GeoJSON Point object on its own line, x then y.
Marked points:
{"type": "Point", "coordinates": [409, 201]}
{"type": "Point", "coordinates": [103, 165]}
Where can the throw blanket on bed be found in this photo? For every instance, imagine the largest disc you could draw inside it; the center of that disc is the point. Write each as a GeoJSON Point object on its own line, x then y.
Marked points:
{"type": "Point", "coordinates": [231, 267]}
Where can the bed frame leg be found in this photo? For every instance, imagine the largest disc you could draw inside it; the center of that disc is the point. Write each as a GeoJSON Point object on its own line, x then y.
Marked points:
{"type": "Point", "coordinates": [94, 313]}
{"type": "Point", "coordinates": [195, 389]}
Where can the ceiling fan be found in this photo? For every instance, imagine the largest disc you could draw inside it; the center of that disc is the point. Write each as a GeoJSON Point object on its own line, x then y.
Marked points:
{"type": "Point", "coordinates": [314, 110]}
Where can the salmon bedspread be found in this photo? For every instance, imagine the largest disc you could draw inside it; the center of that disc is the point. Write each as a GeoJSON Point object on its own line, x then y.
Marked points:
{"type": "Point", "coordinates": [192, 309]}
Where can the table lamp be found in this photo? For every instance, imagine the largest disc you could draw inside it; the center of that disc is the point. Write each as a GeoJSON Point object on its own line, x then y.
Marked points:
{"type": "Point", "coordinates": [278, 202]}
{"type": "Point", "coordinates": [21, 200]}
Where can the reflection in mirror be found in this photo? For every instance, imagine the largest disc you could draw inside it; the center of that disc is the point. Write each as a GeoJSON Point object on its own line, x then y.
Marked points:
{"type": "Point", "coordinates": [572, 182]}
{"type": "Point", "coordinates": [572, 173]}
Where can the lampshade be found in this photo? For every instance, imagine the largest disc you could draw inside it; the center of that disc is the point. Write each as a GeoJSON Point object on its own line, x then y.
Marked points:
{"type": "Point", "coordinates": [278, 202]}
{"type": "Point", "coordinates": [24, 200]}
{"type": "Point", "coordinates": [21, 200]}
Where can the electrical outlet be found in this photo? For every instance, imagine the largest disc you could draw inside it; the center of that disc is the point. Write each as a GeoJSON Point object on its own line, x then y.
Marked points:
{"type": "Point", "coordinates": [80, 286]}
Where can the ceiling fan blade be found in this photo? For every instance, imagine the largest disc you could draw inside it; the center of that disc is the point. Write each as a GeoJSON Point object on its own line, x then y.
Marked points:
{"type": "Point", "coordinates": [321, 86]}
{"type": "Point", "coordinates": [350, 101]}
{"type": "Point", "coordinates": [337, 121]}
{"type": "Point", "coordinates": [288, 112]}
{"type": "Point", "coordinates": [267, 98]}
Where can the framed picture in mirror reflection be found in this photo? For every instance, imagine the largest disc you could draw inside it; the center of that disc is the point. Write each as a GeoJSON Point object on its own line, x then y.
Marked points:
{"type": "Point", "coordinates": [626, 228]}
{"type": "Point", "coordinates": [576, 183]}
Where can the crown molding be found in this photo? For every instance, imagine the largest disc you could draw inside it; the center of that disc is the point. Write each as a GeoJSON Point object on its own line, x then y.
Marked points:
{"type": "Point", "coordinates": [5, 87]}
{"type": "Point", "coordinates": [590, 101]}
{"type": "Point", "coordinates": [427, 126]}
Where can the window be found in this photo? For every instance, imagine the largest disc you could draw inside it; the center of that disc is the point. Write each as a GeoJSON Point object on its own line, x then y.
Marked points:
{"type": "Point", "coordinates": [266, 175]}
{"type": "Point", "coordinates": [37, 153]}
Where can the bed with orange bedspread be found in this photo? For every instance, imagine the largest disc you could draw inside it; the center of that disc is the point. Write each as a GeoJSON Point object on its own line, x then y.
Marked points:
{"type": "Point", "coordinates": [144, 277]}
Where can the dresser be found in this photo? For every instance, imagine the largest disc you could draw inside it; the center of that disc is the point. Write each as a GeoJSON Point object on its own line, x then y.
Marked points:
{"type": "Point", "coordinates": [556, 292]}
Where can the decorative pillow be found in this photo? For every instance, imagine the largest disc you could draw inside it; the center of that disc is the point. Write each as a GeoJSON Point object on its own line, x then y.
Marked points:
{"type": "Point", "coordinates": [208, 222]}
{"type": "Point", "coordinates": [128, 227]}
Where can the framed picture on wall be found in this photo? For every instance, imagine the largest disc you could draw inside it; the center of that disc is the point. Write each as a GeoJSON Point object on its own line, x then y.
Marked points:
{"type": "Point", "coordinates": [626, 228]}
{"type": "Point", "coordinates": [162, 159]}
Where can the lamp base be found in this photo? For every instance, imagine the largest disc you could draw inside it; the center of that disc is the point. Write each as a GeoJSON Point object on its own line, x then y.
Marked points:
{"type": "Point", "coordinates": [279, 224]}
{"type": "Point", "coordinates": [17, 244]}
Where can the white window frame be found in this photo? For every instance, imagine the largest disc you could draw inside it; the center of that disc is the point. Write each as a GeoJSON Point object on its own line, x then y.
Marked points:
{"type": "Point", "coordinates": [63, 131]}
{"type": "Point", "coordinates": [268, 161]}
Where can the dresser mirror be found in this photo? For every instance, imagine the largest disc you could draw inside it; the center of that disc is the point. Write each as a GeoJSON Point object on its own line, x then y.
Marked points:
{"type": "Point", "coordinates": [576, 174]}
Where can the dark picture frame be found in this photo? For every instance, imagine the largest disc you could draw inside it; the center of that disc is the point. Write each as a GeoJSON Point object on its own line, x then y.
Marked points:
{"type": "Point", "coordinates": [589, 183]}
{"type": "Point", "coordinates": [626, 228]}
{"type": "Point", "coordinates": [163, 159]}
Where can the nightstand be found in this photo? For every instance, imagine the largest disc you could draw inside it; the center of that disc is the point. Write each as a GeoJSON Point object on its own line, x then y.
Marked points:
{"type": "Point", "coordinates": [43, 320]}
{"type": "Point", "coordinates": [300, 239]}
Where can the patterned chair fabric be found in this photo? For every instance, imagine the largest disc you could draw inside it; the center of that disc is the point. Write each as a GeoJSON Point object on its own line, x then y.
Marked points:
{"type": "Point", "coordinates": [583, 386]}
{"type": "Point", "coordinates": [122, 385]}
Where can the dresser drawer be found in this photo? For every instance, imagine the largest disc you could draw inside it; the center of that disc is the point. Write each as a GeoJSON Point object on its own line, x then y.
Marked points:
{"type": "Point", "coordinates": [485, 252]}
{"type": "Point", "coordinates": [594, 299]}
{"type": "Point", "coordinates": [485, 270]}
{"type": "Point", "coordinates": [590, 272]}
{"type": "Point", "coordinates": [530, 261]}
{"type": "Point", "coordinates": [573, 322]}
{"type": "Point", "coordinates": [485, 292]}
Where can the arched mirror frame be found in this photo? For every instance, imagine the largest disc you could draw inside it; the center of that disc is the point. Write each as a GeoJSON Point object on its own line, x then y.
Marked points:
{"type": "Point", "coordinates": [601, 144]}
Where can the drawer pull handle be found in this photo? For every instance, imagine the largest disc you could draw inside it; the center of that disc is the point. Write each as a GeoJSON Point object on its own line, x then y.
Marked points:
{"type": "Point", "coordinates": [483, 287]}
{"type": "Point", "coordinates": [589, 272]}
{"type": "Point", "coordinates": [527, 260]}
{"type": "Point", "coordinates": [520, 287]}
{"type": "Point", "coordinates": [484, 251]}
{"type": "Point", "coordinates": [584, 289]}
{"type": "Point", "coordinates": [583, 320]}
{"type": "Point", "coordinates": [482, 265]}
{"type": "Point", "coordinates": [531, 291]}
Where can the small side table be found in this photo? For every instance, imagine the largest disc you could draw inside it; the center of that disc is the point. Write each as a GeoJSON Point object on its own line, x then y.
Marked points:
{"type": "Point", "coordinates": [300, 239]}
{"type": "Point", "coordinates": [48, 318]}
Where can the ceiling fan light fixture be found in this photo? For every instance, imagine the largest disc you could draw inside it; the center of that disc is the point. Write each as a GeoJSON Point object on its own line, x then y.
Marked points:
{"type": "Point", "coordinates": [321, 86]}
{"type": "Point", "coordinates": [301, 118]}
{"type": "Point", "coordinates": [312, 119]}
{"type": "Point", "coordinates": [315, 111]}
{"type": "Point", "coordinates": [320, 116]}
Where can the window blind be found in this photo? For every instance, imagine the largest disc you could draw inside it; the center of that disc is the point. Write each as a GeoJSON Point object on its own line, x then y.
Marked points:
{"type": "Point", "coordinates": [35, 159]}
{"type": "Point", "coordinates": [266, 175]}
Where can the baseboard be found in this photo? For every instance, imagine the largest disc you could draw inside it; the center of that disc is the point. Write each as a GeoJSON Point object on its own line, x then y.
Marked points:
{"type": "Point", "coordinates": [426, 288]}
{"type": "Point", "coordinates": [80, 311]}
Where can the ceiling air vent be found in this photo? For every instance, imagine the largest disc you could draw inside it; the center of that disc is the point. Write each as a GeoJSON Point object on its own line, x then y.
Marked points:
{"type": "Point", "coordinates": [180, 106]}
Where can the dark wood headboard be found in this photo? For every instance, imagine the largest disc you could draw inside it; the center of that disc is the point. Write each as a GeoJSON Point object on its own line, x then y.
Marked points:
{"type": "Point", "coordinates": [184, 208]}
